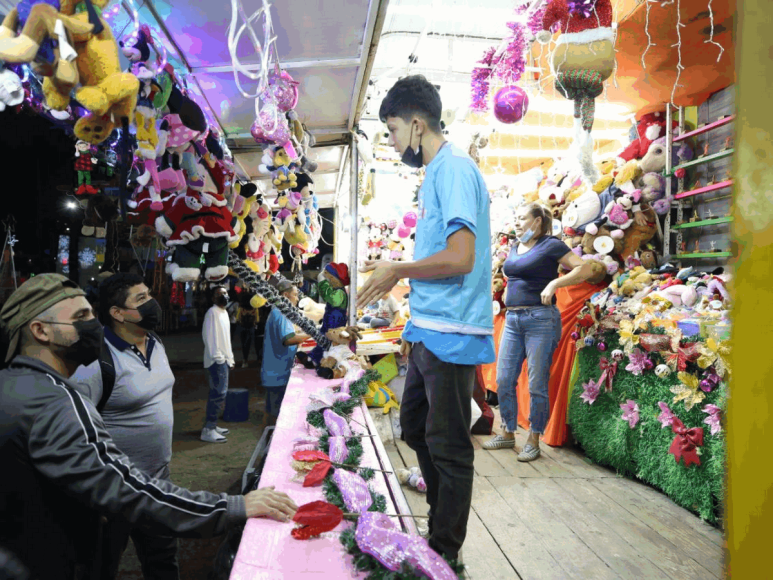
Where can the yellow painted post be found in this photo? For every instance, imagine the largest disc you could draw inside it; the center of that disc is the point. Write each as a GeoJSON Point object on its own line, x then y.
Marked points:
{"type": "Point", "coordinates": [749, 428]}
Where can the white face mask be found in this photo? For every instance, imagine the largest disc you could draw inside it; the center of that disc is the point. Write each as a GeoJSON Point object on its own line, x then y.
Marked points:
{"type": "Point", "coordinates": [527, 236]}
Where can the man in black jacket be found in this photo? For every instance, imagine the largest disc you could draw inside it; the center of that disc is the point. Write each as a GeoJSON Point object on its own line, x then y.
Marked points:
{"type": "Point", "coordinates": [61, 469]}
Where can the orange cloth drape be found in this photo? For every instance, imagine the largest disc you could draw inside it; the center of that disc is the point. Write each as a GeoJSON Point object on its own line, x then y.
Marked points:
{"type": "Point", "coordinates": [569, 301]}
{"type": "Point", "coordinates": [488, 373]}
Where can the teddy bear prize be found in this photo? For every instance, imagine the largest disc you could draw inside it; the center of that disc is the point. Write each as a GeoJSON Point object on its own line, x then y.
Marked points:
{"type": "Point", "coordinates": [612, 222]}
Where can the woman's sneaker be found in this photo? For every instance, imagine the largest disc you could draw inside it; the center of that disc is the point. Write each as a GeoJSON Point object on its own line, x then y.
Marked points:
{"type": "Point", "coordinates": [499, 442]}
{"type": "Point", "coordinates": [529, 453]}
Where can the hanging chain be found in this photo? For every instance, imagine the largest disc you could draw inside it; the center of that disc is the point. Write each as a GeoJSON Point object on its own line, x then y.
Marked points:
{"type": "Point", "coordinates": [275, 299]}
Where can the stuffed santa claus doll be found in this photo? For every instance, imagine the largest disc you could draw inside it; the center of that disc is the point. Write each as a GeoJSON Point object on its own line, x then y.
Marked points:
{"type": "Point", "coordinates": [200, 227]}
{"type": "Point", "coordinates": [583, 59]}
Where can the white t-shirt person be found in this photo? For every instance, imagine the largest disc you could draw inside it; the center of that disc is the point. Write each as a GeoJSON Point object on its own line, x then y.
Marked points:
{"type": "Point", "coordinates": [387, 308]}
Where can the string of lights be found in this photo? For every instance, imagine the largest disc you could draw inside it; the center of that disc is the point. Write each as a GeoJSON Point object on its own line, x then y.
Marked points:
{"type": "Point", "coordinates": [711, 34]}
{"type": "Point", "coordinates": [678, 46]}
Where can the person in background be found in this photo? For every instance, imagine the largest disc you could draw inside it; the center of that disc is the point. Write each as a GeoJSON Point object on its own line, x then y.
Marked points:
{"type": "Point", "coordinates": [532, 322]}
{"type": "Point", "coordinates": [247, 319]}
{"type": "Point", "coordinates": [279, 346]}
{"type": "Point", "coordinates": [62, 472]}
{"type": "Point", "coordinates": [218, 360]}
{"type": "Point", "coordinates": [137, 410]}
{"type": "Point", "coordinates": [452, 321]}
{"type": "Point", "coordinates": [384, 314]}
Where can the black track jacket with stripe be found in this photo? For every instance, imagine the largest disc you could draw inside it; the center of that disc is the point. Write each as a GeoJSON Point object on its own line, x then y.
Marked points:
{"type": "Point", "coordinates": [60, 471]}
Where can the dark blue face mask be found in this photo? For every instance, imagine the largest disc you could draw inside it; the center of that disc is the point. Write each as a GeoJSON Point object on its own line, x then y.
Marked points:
{"type": "Point", "coordinates": [413, 158]}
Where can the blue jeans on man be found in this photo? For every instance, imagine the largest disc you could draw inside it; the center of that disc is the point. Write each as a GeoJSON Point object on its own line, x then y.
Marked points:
{"type": "Point", "coordinates": [218, 387]}
{"type": "Point", "coordinates": [530, 334]}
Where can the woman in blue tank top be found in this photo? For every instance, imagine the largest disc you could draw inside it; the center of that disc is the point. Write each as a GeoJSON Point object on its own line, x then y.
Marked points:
{"type": "Point", "coordinates": [533, 323]}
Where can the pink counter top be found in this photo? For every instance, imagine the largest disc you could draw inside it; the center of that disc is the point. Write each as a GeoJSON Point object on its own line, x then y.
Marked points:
{"type": "Point", "coordinates": [267, 551]}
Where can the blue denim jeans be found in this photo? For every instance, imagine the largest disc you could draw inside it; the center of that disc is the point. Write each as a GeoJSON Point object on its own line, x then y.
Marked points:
{"type": "Point", "coordinates": [374, 321]}
{"type": "Point", "coordinates": [218, 387]}
{"type": "Point", "coordinates": [531, 334]}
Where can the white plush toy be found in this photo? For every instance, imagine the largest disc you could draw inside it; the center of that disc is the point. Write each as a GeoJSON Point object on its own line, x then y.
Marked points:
{"type": "Point", "coordinates": [312, 310]}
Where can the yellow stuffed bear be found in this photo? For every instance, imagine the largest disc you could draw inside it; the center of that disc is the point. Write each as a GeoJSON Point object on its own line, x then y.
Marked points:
{"type": "Point", "coordinates": [109, 94]}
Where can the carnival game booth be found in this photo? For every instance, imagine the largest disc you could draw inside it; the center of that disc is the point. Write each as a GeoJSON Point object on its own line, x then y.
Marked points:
{"type": "Point", "coordinates": [640, 373]}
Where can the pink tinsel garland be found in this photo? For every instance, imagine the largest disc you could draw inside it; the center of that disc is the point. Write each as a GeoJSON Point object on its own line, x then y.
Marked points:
{"type": "Point", "coordinates": [480, 82]}
{"type": "Point", "coordinates": [509, 66]}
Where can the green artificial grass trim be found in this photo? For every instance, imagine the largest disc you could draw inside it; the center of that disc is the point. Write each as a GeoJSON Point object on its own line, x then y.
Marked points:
{"type": "Point", "coordinates": [367, 473]}
{"type": "Point", "coordinates": [642, 452]}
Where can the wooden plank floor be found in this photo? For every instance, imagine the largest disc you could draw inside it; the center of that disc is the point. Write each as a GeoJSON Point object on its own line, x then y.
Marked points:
{"type": "Point", "coordinates": [561, 516]}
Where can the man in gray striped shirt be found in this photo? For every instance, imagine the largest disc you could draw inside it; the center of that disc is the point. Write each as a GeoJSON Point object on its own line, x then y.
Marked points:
{"type": "Point", "coordinates": [138, 412]}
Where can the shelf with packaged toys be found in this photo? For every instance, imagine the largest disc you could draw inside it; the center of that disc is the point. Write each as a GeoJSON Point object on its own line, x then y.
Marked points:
{"type": "Point", "coordinates": [685, 199]}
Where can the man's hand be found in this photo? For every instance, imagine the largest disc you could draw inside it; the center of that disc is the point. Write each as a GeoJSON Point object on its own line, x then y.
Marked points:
{"type": "Point", "coordinates": [405, 348]}
{"type": "Point", "coordinates": [381, 281]}
{"type": "Point", "coordinates": [266, 502]}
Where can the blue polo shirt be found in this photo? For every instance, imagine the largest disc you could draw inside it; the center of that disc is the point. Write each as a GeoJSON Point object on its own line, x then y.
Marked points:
{"type": "Point", "coordinates": [453, 317]}
{"type": "Point", "coordinates": [278, 359]}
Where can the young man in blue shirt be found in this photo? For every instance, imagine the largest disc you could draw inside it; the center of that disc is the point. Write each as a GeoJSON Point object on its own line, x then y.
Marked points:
{"type": "Point", "coordinates": [279, 346]}
{"type": "Point", "coordinates": [452, 320]}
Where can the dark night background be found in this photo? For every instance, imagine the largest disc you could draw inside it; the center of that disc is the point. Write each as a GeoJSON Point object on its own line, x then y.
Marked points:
{"type": "Point", "coordinates": [37, 157]}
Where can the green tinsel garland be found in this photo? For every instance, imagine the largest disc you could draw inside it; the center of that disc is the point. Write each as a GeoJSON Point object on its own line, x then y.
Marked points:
{"type": "Point", "coordinates": [357, 390]}
{"type": "Point", "coordinates": [643, 451]}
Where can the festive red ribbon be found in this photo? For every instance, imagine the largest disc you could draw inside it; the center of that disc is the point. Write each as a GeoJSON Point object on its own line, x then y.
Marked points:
{"type": "Point", "coordinates": [686, 442]}
{"type": "Point", "coordinates": [683, 355]}
{"type": "Point", "coordinates": [608, 372]}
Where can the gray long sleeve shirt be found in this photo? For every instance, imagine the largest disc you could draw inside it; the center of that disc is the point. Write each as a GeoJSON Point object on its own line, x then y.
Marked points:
{"type": "Point", "coordinates": [61, 470]}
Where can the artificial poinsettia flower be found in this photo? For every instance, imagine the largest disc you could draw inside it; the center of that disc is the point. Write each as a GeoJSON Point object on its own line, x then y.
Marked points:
{"type": "Point", "coordinates": [715, 354]}
{"type": "Point", "coordinates": [627, 337]}
{"type": "Point", "coordinates": [638, 361]}
{"type": "Point", "coordinates": [630, 413]}
{"type": "Point", "coordinates": [317, 474]}
{"type": "Point", "coordinates": [688, 391]}
{"type": "Point", "coordinates": [713, 419]}
{"type": "Point", "coordinates": [666, 416]}
{"type": "Point", "coordinates": [590, 391]}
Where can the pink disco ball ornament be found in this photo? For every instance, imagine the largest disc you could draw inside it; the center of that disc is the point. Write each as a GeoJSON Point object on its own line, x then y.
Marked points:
{"type": "Point", "coordinates": [410, 219]}
{"type": "Point", "coordinates": [403, 231]}
{"type": "Point", "coordinates": [510, 104]}
{"type": "Point", "coordinates": [283, 90]}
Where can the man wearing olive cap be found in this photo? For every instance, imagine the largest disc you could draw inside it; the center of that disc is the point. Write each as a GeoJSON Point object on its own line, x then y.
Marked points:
{"type": "Point", "coordinates": [61, 470]}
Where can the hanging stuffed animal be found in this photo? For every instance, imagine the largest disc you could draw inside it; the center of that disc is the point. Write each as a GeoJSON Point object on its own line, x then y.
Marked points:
{"type": "Point", "coordinates": [70, 44]}
{"type": "Point", "coordinates": [200, 228]}
{"type": "Point", "coordinates": [84, 166]}
{"type": "Point", "coordinates": [583, 59]}
{"type": "Point", "coordinates": [99, 210]}
{"type": "Point", "coordinates": [278, 164]}
{"type": "Point", "coordinates": [137, 49]}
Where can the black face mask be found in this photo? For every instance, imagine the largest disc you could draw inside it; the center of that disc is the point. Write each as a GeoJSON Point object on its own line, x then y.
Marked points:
{"type": "Point", "coordinates": [413, 158]}
{"type": "Point", "coordinates": [86, 349]}
{"type": "Point", "coordinates": [151, 314]}
{"type": "Point", "coordinates": [221, 301]}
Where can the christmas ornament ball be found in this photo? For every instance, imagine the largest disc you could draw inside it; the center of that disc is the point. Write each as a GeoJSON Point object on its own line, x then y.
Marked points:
{"type": "Point", "coordinates": [510, 104]}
